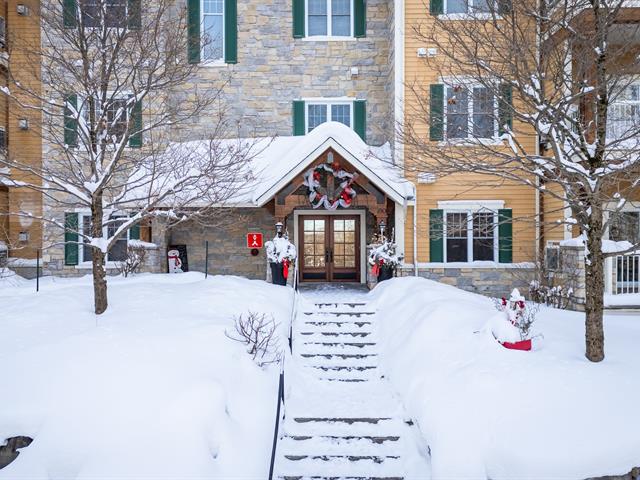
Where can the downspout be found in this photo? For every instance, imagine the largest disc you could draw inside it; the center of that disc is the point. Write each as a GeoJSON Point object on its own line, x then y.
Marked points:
{"type": "Point", "coordinates": [415, 233]}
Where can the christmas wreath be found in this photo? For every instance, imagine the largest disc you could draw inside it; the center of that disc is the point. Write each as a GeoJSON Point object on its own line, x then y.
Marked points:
{"type": "Point", "coordinates": [318, 197]}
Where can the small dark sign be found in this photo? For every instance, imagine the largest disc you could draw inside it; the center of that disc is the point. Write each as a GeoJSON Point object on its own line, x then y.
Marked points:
{"type": "Point", "coordinates": [177, 259]}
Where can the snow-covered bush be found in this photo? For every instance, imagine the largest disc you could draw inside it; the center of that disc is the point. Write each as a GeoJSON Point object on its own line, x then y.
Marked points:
{"type": "Point", "coordinates": [280, 249]}
{"type": "Point", "coordinates": [518, 315]}
{"type": "Point", "coordinates": [259, 333]}
{"type": "Point", "coordinates": [135, 259]}
{"type": "Point", "coordinates": [553, 296]}
{"type": "Point", "coordinates": [383, 252]}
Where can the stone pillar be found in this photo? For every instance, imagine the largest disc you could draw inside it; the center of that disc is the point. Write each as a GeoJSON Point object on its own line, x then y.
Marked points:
{"type": "Point", "coordinates": [160, 236]}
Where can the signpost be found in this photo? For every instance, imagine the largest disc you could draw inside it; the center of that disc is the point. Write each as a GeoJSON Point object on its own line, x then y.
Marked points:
{"type": "Point", "coordinates": [254, 240]}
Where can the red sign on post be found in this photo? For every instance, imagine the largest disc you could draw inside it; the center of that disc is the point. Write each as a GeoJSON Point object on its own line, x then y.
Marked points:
{"type": "Point", "coordinates": [254, 240]}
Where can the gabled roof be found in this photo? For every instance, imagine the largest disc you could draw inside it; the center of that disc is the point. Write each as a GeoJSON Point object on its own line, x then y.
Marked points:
{"type": "Point", "coordinates": [288, 157]}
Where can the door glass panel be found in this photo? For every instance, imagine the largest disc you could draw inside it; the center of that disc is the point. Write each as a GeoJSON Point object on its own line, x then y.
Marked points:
{"type": "Point", "coordinates": [339, 249]}
{"type": "Point", "coordinates": [350, 262]}
{"type": "Point", "coordinates": [350, 237]}
{"type": "Point", "coordinates": [350, 225]}
{"type": "Point", "coordinates": [344, 243]}
{"type": "Point", "coordinates": [338, 237]}
{"type": "Point", "coordinates": [314, 243]}
{"type": "Point", "coordinates": [350, 249]}
{"type": "Point", "coordinates": [338, 261]}
{"type": "Point", "coordinates": [338, 225]}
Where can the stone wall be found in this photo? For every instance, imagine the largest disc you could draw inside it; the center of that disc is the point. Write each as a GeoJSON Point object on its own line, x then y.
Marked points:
{"type": "Point", "coordinates": [228, 253]}
{"type": "Point", "coordinates": [492, 282]}
{"type": "Point", "coordinates": [571, 273]}
{"type": "Point", "coordinates": [274, 69]}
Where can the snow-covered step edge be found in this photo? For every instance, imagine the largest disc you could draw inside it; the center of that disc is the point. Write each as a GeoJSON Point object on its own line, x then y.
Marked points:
{"type": "Point", "coordinates": [326, 445]}
{"type": "Point", "coordinates": [342, 467]}
{"type": "Point", "coordinates": [328, 428]}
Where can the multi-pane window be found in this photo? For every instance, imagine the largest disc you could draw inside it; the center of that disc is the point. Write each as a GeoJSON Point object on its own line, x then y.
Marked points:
{"type": "Point", "coordinates": [114, 13]}
{"type": "Point", "coordinates": [318, 113]}
{"type": "Point", "coordinates": [213, 29]}
{"type": "Point", "coordinates": [470, 236]}
{"type": "Point", "coordinates": [470, 112]}
{"type": "Point", "coordinates": [457, 237]}
{"type": "Point", "coordinates": [117, 253]}
{"type": "Point", "coordinates": [329, 18]}
{"type": "Point", "coordinates": [468, 6]}
{"type": "Point", "coordinates": [483, 235]}
{"type": "Point", "coordinates": [625, 226]}
{"type": "Point", "coordinates": [623, 115]}
{"type": "Point", "coordinates": [116, 114]}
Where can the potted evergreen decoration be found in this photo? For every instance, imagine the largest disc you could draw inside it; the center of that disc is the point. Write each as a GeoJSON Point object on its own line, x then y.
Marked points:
{"type": "Point", "coordinates": [383, 257]}
{"type": "Point", "coordinates": [512, 327]}
{"type": "Point", "coordinates": [281, 254]}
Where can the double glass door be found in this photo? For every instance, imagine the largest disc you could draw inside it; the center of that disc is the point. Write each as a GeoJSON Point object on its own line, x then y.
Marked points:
{"type": "Point", "coordinates": [330, 248]}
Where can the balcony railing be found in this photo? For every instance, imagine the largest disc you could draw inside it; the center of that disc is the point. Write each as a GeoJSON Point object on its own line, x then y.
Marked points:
{"type": "Point", "coordinates": [627, 276]}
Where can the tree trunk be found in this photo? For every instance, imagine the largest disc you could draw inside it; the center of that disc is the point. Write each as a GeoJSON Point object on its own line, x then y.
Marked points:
{"type": "Point", "coordinates": [99, 282]}
{"type": "Point", "coordinates": [594, 288]}
{"type": "Point", "coordinates": [98, 258]}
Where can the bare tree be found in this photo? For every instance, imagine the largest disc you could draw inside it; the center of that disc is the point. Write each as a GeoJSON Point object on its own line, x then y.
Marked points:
{"type": "Point", "coordinates": [115, 93]}
{"type": "Point", "coordinates": [550, 73]}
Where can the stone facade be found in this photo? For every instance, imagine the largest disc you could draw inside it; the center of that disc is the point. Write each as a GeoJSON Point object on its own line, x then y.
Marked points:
{"type": "Point", "coordinates": [571, 274]}
{"type": "Point", "coordinates": [274, 69]}
{"type": "Point", "coordinates": [228, 253]}
{"type": "Point", "coordinates": [491, 282]}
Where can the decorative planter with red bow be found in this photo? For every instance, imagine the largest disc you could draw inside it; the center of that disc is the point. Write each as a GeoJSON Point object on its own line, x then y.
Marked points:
{"type": "Point", "coordinates": [524, 345]}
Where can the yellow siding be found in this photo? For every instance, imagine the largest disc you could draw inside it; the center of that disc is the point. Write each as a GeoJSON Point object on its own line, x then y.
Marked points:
{"type": "Point", "coordinates": [419, 74]}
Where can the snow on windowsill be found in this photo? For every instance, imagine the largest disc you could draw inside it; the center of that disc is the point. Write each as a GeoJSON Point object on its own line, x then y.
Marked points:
{"type": "Point", "coordinates": [476, 264]}
{"type": "Point", "coordinates": [622, 300]}
{"type": "Point", "coordinates": [89, 265]}
{"type": "Point", "coordinates": [214, 63]}
{"type": "Point", "coordinates": [608, 246]}
{"type": "Point", "coordinates": [471, 142]}
{"type": "Point", "coordinates": [324, 38]}
{"type": "Point", "coordinates": [468, 16]}
{"type": "Point", "coordinates": [141, 244]}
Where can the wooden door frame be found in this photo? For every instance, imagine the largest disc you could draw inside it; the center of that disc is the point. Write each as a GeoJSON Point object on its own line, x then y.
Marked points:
{"type": "Point", "coordinates": [346, 212]}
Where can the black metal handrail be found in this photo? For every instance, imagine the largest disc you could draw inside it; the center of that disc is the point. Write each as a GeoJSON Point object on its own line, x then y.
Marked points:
{"type": "Point", "coordinates": [281, 401]}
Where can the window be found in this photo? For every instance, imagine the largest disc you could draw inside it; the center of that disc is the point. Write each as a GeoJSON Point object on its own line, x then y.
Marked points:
{"type": "Point", "coordinates": [623, 115]}
{"type": "Point", "coordinates": [321, 112]}
{"type": "Point", "coordinates": [625, 226]}
{"type": "Point", "coordinates": [3, 139]}
{"type": "Point", "coordinates": [470, 112]}
{"type": "Point", "coordinates": [213, 29]}
{"type": "Point", "coordinates": [330, 18]}
{"type": "Point", "coordinates": [470, 236]}
{"type": "Point", "coordinates": [3, 32]}
{"type": "Point", "coordinates": [114, 11]}
{"type": "Point", "coordinates": [118, 251]}
{"type": "Point", "coordinates": [468, 6]}
{"type": "Point", "coordinates": [116, 115]}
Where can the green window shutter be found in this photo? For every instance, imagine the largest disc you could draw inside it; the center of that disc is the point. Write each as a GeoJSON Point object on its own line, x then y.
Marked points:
{"type": "Point", "coordinates": [436, 121]}
{"type": "Point", "coordinates": [436, 235]}
{"type": "Point", "coordinates": [193, 31]}
{"type": "Point", "coordinates": [69, 9]}
{"type": "Point", "coordinates": [134, 14]}
{"type": "Point", "coordinates": [71, 239]}
{"type": "Point", "coordinates": [70, 121]}
{"type": "Point", "coordinates": [436, 7]}
{"type": "Point", "coordinates": [298, 18]}
{"type": "Point", "coordinates": [298, 117]}
{"type": "Point", "coordinates": [135, 140]}
{"type": "Point", "coordinates": [504, 7]}
{"type": "Point", "coordinates": [134, 232]}
{"type": "Point", "coordinates": [505, 235]}
{"type": "Point", "coordinates": [505, 116]}
{"type": "Point", "coordinates": [231, 31]}
{"type": "Point", "coordinates": [360, 118]}
{"type": "Point", "coordinates": [360, 18]}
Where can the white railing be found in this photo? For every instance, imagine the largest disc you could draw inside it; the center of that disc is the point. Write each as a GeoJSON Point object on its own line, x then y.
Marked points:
{"type": "Point", "coordinates": [627, 279]}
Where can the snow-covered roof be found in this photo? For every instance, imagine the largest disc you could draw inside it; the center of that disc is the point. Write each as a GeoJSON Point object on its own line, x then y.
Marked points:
{"type": "Point", "coordinates": [276, 161]}
{"type": "Point", "coordinates": [287, 157]}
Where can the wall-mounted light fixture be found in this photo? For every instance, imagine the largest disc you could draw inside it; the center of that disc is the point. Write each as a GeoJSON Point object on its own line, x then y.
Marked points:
{"type": "Point", "coordinates": [23, 123]}
{"type": "Point", "coordinates": [23, 237]}
{"type": "Point", "coordinates": [22, 9]}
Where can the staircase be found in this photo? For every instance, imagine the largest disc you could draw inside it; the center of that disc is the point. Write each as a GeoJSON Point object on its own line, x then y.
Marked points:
{"type": "Point", "coordinates": [342, 421]}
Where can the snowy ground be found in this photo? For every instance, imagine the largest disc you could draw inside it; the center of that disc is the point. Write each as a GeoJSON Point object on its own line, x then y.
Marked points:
{"type": "Point", "coordinates": [489, 412]}
{"type": "Point", "coordinates": [151, 389]}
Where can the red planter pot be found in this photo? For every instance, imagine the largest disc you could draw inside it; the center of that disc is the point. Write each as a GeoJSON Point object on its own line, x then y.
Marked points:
{"type": "Point", "coordinates": [524, 345]}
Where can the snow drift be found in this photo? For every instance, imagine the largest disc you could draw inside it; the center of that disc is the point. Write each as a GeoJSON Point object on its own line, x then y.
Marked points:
{"type": "Point", "coordinates": [489, 412]}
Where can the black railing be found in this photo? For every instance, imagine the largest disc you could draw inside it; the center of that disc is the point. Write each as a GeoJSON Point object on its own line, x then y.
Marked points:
{"type": "Point", "coordinates": [280, 414]}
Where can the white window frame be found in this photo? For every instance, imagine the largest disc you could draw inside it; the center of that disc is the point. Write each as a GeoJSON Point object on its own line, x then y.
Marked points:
{"type": "Point", "coordinates": [126, 17]}
{"type": "Point", "coordinates": [3, 32]}
{"type": "Point", "coordinates": [328, 103]}
{"type": "Point", "coordinates": [329, 35]}
{"type": "Point", "coordinates": [471, 207]}
{"type": "Point", "coordinates": [611, 131]}
{"type": "Point", "coordinates": [85, 113]}
{"type": "Point", "coordinates": [466, 15]}
{"type": "Point", "coordinates": [105, 232]}
{"type": "Point", "coordinates": [470, 137]}
{"type": "Point", "coordinates": [219, 60]}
